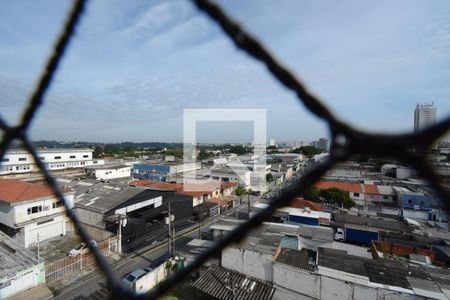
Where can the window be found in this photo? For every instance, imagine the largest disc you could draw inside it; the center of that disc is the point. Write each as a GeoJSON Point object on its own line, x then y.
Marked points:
{"type": "Point", "coordinates": [72, 156]}
{"type": "Point", "coordinates": [42, 158]}
{"type": "Point", "coordinates": [56, 204]}
{"type": "Point", "coordinates": [409, 201]}
{"type": "Point", "coordinates": [22, 159]}
{"type": "Point", "coordinates": [5, 159]}
{"type": "Point", "coordinates": [34, 209]}
{"type": "Point", "coordinates": [85, 156]}
{"type": "Point", "coordinates": [385, 197]}
{"type": "Point", "coordinates": [57, 157]}
{"type": "Point", "coordinates": [356, 194]}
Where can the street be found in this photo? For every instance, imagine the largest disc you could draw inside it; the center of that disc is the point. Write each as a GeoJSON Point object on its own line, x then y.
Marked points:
{"type": "Point", "coordinates": [95, 280]}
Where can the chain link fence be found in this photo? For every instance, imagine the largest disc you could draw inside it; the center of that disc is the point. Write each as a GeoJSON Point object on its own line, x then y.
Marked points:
{"type": "Point", "coordinates": [346, 140]}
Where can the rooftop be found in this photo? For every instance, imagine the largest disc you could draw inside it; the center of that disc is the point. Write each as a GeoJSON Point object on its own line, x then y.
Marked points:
{"type": "Point", "coordinates": [389, 224]}
{"type": "Point", "coordinates": [107, 167]}
{"type": "Point", "coordinates": [388, 273]}
{"type": "Point", "coordinates": [13, 257]}
{"type": "Point", "coordinates": [105, 199]}
{"type": "Point", "coordinates": [14, 191]}
{"type": "Point", "coordinates": [52, 150]}
{"type": "Point", "coordinates": [195, 190]}
{"type": "Point", "coordinates": [301, 259]}
{"type": "Point", "coordinates": [349, 187]}
{"type": "Point", "coordinates": [302, 203]}
{"type": "Point", "coordinates": [221, 283]}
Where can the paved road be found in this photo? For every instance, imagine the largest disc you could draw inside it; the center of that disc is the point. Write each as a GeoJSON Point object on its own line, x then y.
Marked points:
{"type": "Point", "coordinates": [87, 285]}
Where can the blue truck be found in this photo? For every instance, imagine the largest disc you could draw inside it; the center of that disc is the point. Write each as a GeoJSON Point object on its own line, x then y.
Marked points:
{"type": "Point", "coordinates": [356, 235]}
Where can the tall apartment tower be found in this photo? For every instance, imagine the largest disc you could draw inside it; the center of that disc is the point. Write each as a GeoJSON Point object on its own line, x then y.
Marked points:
{"type": "Point", "coordinates": [424, 116]}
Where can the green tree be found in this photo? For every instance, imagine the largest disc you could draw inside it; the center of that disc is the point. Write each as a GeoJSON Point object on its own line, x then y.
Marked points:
{"type": "Point", "coordinates": [239, 150]}
{"type": "Point", "coordinates": [98, 152]}
{"type": "Point", "coordinates": [240, 191]}
{"type": "Point", "coordinates": [312, 194]}
{"type": "Point", "coordinates": [269, 177]}
{"type": "Point", "coordinates": [203, 154]}
{"type": "Point", "coordinates": [307, 150]}
{"type": "Point", "coordinates": [337, 197]}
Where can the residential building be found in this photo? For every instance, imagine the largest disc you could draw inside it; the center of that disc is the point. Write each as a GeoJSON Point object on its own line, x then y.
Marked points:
{"type": "Point", "coordinates": [20, 268]}
{"type": "Point", "coordinates": [141, 213]}
{"type": "Point", "coordinates": [106, 172]}
{"type": "Point", "coordinates": [272, 143]}
{"type": "Point", "coordinates": [332, 271]}
{"type": "Point", "coordinates": [292, 215]}
{"type": "Point", "coordinates": [323, 144]}
{"type": "Point", "coordinates": [161, 171]}
{"type": "Point", "coordinates": [30, 213]}
{"type": "Point", "coordinates": [424, 116]}
{"type": "Point", "coordinates": [198, 192]}
{"type": "Point", "coordinates": [18, 161]}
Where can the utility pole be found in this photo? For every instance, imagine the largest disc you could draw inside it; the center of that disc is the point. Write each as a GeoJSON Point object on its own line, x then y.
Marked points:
{"type": "Point", "coordinates": [169, 223]}
{"type": "Point", "coordinates": [248, 204]}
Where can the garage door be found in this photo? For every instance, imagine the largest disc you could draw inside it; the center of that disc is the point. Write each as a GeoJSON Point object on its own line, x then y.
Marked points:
{"type": "Point", "coordinates": [45, 232]}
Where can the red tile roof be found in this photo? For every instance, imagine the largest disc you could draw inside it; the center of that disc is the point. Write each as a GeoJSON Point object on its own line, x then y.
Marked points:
{"type": "Point", "coordinates": [222, 201]}
{"type": "Point", "coordinates": [302, 203]}
{"type": "Point", "coordinates": [170, 186]}
{"type": "Point", "coordinates": [13, 191]}
{"type": "Point", "coordinates": [349, 187]}
{"type": "Point", "coordinates": [227, 185]}
{"type": "Point", "coordinates": [371, 189]}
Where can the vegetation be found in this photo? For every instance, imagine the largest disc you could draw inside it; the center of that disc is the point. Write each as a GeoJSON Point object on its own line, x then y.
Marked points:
{"type": "Point", "coordinates": [333, 196]}
{"type": "Point", "coordinates": [239, 150]}
{"type": "Point", "coordinates": [337, 197]}
{"type": "Point", "coordinates": [307, 150]}
{"type": "Point", "coordinates": [240, 191]}
{"type": "Point", "coordinates": [269, 177]}
{"type": "Point", "coordinates": [312, 194]}
{"type": "Point", "coordinates": [204, 154]}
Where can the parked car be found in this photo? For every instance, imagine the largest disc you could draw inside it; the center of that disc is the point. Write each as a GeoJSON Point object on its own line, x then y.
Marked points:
{"type": "Point", "coordinates": [131, 278]}
{"type": "Point", "coordinates": [80, 248]}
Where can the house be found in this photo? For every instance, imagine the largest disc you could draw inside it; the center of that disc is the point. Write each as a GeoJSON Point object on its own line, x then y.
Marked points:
{"type": "Point", "coordinates": [20, 161]}
{"type": "Point", "coordinates": [198, 192]}
{"type": "Point", "coordinates": [302, 203]}
{"type": "Point", "coordinates": [108, 171]}
{"type": "Point", "coordinates": [30, 213]}
{"type": "Point", "coordinates": [161, 171]}
{"type": "Point", "coordinates": [20, 269]}
{"type": "Point", "coordinates": [338, 271]}
{"type": "Point", "coordinates": [140, 212]}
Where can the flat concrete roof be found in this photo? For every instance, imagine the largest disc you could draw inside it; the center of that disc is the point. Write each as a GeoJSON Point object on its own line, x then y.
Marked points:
{"type": "Point", "coordinates": [13, 257]}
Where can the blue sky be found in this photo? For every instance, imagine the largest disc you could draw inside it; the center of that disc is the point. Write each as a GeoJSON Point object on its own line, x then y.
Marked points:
{"type": "Point", "coordinates": [134, 65]}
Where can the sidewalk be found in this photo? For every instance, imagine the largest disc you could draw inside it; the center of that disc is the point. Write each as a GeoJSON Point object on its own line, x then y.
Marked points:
{"type": "Point", "coordinates": [40, 292]}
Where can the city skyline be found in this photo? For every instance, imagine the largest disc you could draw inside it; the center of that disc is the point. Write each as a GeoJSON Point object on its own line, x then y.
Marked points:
{"type": "Point", "coordinates": [132, 68]}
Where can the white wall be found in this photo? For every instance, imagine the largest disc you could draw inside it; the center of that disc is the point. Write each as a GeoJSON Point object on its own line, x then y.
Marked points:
{"type": "Point", "coordinates": [104, 174]}
{"type": "Point", "coordinates": [22, 162]}
{"type": "Point", "coordinates": [255, 264]}
{"type": "Point", "coordinates": [291, 278]}
{"type": "Point", "coordinates": [21, 210]}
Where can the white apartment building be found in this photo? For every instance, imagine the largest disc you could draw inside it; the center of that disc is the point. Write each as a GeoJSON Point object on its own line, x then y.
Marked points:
{"type": "Point", "coordinates": [424, 116]}
{"type": "Point", "coordinates": [20, 161]}
{"type": "Point", "coordinates": [29, 212]}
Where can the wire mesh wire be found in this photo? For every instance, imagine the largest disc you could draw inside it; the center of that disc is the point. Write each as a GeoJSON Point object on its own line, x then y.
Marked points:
{"type": "Point", "coordinates": [346, 140]}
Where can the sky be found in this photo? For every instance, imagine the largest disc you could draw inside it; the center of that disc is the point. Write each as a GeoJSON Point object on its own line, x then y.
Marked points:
{"type": "Point", "coordinates": [133, 66]}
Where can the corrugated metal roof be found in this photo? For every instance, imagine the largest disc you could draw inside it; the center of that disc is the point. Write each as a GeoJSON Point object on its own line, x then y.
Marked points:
{"type": "Point", "coordinates": [221, 283]}
{"type": "Point", "coordinates": [299, 259]}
